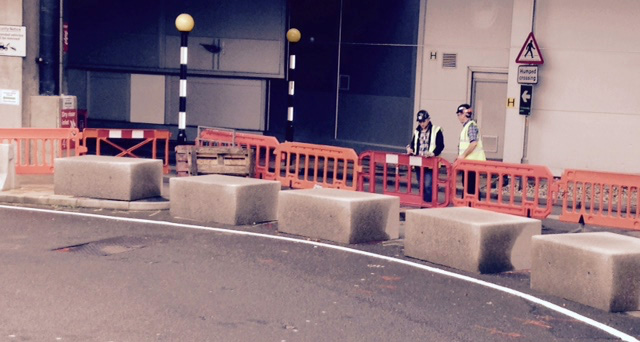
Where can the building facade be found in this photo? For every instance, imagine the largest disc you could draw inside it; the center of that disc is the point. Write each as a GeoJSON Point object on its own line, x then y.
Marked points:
{"type": "Point", "coordinates": [363, 69]}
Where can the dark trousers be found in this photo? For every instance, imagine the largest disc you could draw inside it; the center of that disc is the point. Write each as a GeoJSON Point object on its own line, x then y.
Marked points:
{"type": "Point", "coordinates": [471, 182]}
{"type": "Point", "coordinates": [428, 184]}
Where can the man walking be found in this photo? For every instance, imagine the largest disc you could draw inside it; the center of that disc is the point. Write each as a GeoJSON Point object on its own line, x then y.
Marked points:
{"type": "Point", "coordinates": [427, 141]}
{"type": "Point", "coordinates": [470, 146]}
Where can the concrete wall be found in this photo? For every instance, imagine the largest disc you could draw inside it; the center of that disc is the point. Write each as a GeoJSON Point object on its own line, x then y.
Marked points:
{"type": "Point", "coordinates": [586, 107]}
{"type": "Point", "coordinates": [587, 85]}
{"type": "Point", "coordinates": [20, 73]}
{"type": "Point", "coordinates": [11, 69]}
{"type": "Point", "coordinates": [478, 32]}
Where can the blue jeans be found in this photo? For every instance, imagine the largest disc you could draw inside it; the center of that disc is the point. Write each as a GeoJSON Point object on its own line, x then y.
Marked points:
{"type": "Point", "coordinates": [428, 185]}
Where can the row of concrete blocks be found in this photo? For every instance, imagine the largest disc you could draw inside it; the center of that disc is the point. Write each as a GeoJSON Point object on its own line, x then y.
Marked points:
{"type": "Point", "coordinates": [601, 270]}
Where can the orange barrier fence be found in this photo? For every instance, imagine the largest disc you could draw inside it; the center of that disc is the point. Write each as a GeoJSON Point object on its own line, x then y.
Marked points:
{"type": "Point", "coordinates": [402, 175]}
{"type": "Point", "coordinates": [524, 190]}
{"type": "Point", "coordinates": [114, 137]}
{"type": "Point", "coordinates": [600, 198]}
{"type": "Point", "coordinates": [36, 148]}
{"type": "Point", "coordinates": [262, 145]}
{"type": "Point", "coordinates": [303, 166]}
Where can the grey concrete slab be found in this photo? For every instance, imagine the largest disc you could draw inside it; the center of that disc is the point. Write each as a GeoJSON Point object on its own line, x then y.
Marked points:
{"type": "Point", "coordinates": [599, 269]}
{"type": "Point", "coordinates": [7, 167]}
{"type": "Point", "coordinates": [339, 215]}
{"type": "Point", "coordinates": [470, 239]}
{"type": "Point", "coordinates": [224, 199]}
{"type": "Point", "coordinates": [107, 177]}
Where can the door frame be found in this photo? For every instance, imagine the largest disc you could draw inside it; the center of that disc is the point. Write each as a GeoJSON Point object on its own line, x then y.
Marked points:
{"type": "Point", "coordinates": [484, 74]}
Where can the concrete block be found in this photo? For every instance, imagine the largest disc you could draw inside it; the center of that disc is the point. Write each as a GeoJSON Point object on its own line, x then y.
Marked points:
{"type": "Point", "coordinates": [7, 167]}
{"type": "Point", "coordinates": [470, 239]}
{"type": "Point", "coordinates": [106, 177]}
{"type": "Point", "coordinates": [339, 215]}
{"type": "Point", "coordinates": [224, 199]}
{"type": "Point", "coordinates": [601, 270]}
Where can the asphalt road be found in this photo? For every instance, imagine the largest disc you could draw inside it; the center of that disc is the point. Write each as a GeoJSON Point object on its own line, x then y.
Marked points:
{"type": "Point", "coordinates": [98, 275]}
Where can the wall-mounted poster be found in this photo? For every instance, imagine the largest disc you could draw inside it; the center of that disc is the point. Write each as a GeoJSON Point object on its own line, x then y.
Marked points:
{"type": "Point", "coordinates": [13, 41]}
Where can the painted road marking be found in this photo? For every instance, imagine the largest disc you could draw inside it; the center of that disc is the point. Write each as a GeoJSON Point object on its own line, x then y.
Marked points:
{"type": "Point", "coordinates": [586, 320]}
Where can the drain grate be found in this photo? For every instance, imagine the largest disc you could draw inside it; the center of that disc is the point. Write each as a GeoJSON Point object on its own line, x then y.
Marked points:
{"type": "Point", "coordinates": [107, 247]}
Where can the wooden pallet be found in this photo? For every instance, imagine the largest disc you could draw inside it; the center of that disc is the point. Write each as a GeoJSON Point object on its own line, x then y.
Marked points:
{"type": "Point", "coordinates": [193, 160]}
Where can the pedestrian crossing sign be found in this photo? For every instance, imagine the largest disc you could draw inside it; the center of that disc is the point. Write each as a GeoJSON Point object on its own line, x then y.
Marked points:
{"type": "Point", "coordinates": [530, 52]}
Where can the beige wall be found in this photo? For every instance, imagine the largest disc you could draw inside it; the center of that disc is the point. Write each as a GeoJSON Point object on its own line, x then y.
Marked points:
{"type": "Point", "coordinates": [20, 73]}
{"type": "Point", "coordinates": [11, 67]}
{"type": "Point", "coordinates": [147, 98]}
{"type": "Point", "coordinates": [585, 109]}
{"type": "Point", "coordinates": [479, 33]}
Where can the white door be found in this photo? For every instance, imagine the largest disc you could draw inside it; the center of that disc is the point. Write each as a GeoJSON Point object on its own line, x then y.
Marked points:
{"type": "Point", "coordinates": [489, 98]}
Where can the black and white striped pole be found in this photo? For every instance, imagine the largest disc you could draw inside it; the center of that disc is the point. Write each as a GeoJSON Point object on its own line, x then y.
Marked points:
{"type": "Point", "coordinates": [293, 36]}
{"type": "Point", "coordinates": [184, 24]}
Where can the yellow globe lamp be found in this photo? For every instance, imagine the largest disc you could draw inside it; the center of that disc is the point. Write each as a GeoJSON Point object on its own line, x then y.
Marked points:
{"type": "Point", "coordinates": [184, 22]}
{"type": "Point", "coordinates": [293, 35]}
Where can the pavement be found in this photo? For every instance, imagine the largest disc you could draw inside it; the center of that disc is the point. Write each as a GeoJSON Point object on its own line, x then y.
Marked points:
{"type": "Point", "coordinates": [38, 190]}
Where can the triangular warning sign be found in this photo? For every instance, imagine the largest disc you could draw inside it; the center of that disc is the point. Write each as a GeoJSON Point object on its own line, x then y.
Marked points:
{"type": "Point", "coordinates": [530, 52]}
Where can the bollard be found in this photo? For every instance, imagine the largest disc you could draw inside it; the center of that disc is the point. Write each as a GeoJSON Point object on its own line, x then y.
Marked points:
{"type": "Point", "coordinates": [184, 24]}
{"type": "Point", "coordinates": [293, 36]}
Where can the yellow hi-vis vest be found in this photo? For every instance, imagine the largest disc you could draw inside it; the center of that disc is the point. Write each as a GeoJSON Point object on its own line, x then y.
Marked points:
{"type": "Point", "coordinates": [432, 139]}
{"type": "Point", "coordinates": [478, 152]}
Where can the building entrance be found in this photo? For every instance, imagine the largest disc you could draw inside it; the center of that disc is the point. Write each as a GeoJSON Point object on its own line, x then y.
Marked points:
{"type": "Point", "coordinates": [489, 96]}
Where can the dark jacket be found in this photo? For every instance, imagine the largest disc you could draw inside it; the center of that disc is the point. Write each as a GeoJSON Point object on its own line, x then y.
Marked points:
{"type": "Point", "coordinates": [415, 140]}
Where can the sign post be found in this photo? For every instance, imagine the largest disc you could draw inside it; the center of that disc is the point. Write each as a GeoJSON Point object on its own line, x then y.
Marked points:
{"type": "Point", "coordinates": [68, 116]}
{"type": "Point", "coordinates": [528, 74]}
{"type": "Point", "coordinates": [530, 52]}
{"type": "Point", "coordinates": [526, 96]}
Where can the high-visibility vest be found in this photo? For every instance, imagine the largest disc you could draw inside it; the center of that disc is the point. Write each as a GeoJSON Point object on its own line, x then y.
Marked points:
{"type": "Point", "coordinates": [478, 152]}
{"type": "Point", "coordinates": [432, 139]}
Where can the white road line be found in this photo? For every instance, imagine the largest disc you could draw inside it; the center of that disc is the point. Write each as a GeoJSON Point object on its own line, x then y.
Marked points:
{"type": "Point", "coordinates": [541, 302]}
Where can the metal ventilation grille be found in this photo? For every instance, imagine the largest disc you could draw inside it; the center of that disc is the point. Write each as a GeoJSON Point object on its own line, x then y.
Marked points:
{"type": "Point", "coordinates": [490, 143]}
{"type": "Point", "coordinates": [449, 60]}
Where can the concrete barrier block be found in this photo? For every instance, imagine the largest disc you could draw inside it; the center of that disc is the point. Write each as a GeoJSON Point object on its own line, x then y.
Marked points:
{"type": "Point", "coordinates": [7, 167]}
{"type": "Point", "coordinates": [470, 239]}
{"type": "Point", "coordinates": [601, 270]}
{"type": "Point", "coordinates": [339, 215]}
{"type": "Point", "coordinates": [224, 199]}
{"type": "Point", "coordinates": [106, 177]}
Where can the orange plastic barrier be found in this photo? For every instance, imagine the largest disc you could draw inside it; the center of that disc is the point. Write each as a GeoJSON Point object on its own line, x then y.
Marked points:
{"type": "Point", "coordinates": [303, 166]}
{"type": "Point", "coordinates": [524, 190]}
{"type": "Point", "coordinates": [401, 175]}
{"type": "Point", "coordinates": [147, 136]}
{"type": "Point", "coordinates": [36, 148]}
{"type": "Point", "coordinates": [262, 145]}
{"type": "Point", "coordinates": [600, 198]}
